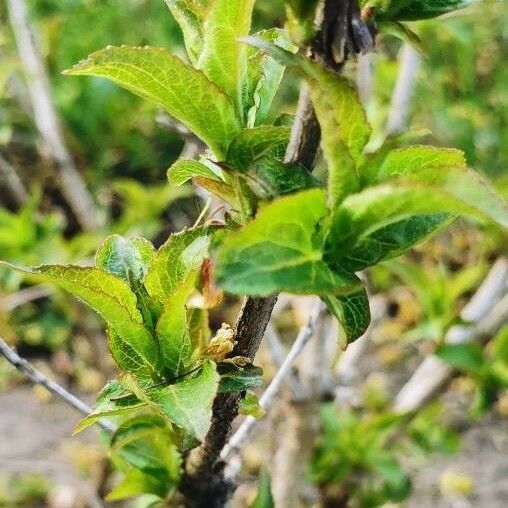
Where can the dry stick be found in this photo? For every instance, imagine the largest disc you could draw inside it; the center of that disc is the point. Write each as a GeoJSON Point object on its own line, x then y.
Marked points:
{"type": "Point", "coordinates": [364, 77]}
{"type": "Point", "coordinates": [13, 182]}
{"type": "Point", "coordinates": [488, 315]}
{"type": "Point", "coordinates": [46, 120]}
{"type": "Point", "coordinates": [38, 377]}
{"type": "Point", "coordinates": [267, 399]}
{"type": "Point", "coordinates": [278, 354]}
{"type": "Point", "coordinates": [409, 62]}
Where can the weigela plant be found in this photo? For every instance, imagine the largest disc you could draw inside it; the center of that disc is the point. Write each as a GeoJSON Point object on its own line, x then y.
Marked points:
{"type": "Point", "coordinates": [286, 229]}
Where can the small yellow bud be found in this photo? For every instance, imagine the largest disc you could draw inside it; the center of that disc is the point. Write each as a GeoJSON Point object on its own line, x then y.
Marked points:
{"type": "Point", "coordinates": [221, 344]}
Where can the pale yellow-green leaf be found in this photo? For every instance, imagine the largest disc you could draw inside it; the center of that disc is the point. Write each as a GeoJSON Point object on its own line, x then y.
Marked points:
{"type": "Point", "coordinates": [109, 296]}
{"type": "Point", "coordinates": [185, 92]}
{"type": "Point", "coordinates": [182, 254]}
{"type": "Point", "coordinates": [224, 59]}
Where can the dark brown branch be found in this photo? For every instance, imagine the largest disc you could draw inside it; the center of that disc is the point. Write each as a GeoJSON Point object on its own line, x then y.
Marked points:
{"type": "Point", "coordinates": [203, 484]}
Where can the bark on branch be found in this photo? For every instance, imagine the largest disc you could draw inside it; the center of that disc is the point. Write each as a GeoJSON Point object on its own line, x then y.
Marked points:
{"type": "Point", "coordinates": [268, 397]}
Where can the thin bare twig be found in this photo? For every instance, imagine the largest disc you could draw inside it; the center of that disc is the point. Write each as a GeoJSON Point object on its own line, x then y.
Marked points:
{"type": "Point", "coordinates": [409, 63]}
{"type": "Point", "coordinates": [46, 118]}
{"type": "Point", "coordinates": [364, 77]}
{"type": "Point", "coordinates": [38, 377]}
{"type": "Point", "coordinates": [268, 397]}
{"type": "Point", "coordinates": [278, 353]}
{"type": "Point", "coordinates": [13, 182]}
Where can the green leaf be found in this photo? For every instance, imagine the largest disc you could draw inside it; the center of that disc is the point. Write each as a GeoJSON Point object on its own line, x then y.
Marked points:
{"type": "Point", "coordinates": [376, 207]}
{"type": "Point", "coordinates": [186, 93]}
{"type": "Point", "coordinates": [500, 345]}
{"type": "Point", "coordinates": [188, 404]}
{"type": "Point", "coordinates": [126, 258]}
{"type": "Point", "coordinates": [467, 357]}
{"type": "Point", "coordinates": [281, 55]}
{"type": "Point", "coordinates": [397, 485]}
{"type": "Point", "coordinates": [390, 241]}
{"type": "Point", "coordinates": [281, 250]}
{"type": "Point", "coordinates": [413, 10]}
{"type": "Point", "coordinates": [189, 14]}
{"type": "Point", "coordinates": [466, 187]}
{"type": "Point", "coordinates": [446, 170]}
{"type": "Point", "coordinates": [146, 444]}
{"type": "Point", "coordinates": [264, 75]}
{"type": "Point", "coordinates": [402, 32]}
{"type": "Point", "coordinates": [234, 379]}
{"type": "Point", "coordinates": [173, 331]}
{"type": "Point", "coordinates": [223, 59]}
{"type": "Point", "coordinates": [300, 20]}
{"type": "Point", "coordinates": [199, 328]}
{"type": "Point", "coordinates": [184, 170]}
{"type": "Point", "coordinates": [252, 144]}
{"type": "Point", "coordinates": [466, 279]}
{"type": "Point", "coordinates": [249, 406]}
{"type": "Point", "coordinates": [343, 176]}
{"type": "Point", "coordinates": [222, 190]}
{"type": "Point", "coordinates": [336, 93]}
{"type": "Point", "coordinates": [345, 129]}
{"type": "Point", "coordinates": [429, 289]}
{"type": "Point", "coordinates": [269, 178]}
{"type": "Point", "coordinates": [136, 483]}
{"type": "Point", "coordinates": [303, 8]}
{"type": "Point", "coordinates": [110, 402]}
{"type": "Point", "coordinates": [181, 255]}
{"type": "Point", "coordinates": [109, 296]}
{"type": "Point", "coordinates": [353, 313]}
{"type": "Point", "coordinates": [129, 259]}
{"type": "Point", "coordinates": [127, 358]}
{"type": "Point", "coordinates": [264, 498]}
{"type": "Point", "coordinates": [415, 160]}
